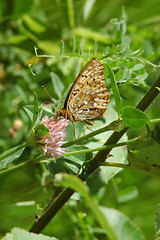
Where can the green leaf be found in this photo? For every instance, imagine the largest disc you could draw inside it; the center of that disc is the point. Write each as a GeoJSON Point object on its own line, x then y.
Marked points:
{"type": "Point", "coordinates": [41, 130]}
{"type": "Point", "coordinates": [72, 168]}
{"type": "Point", "coordinates": [29, 110]}
{"type": "Point", "coordinates": [122, 226]}
{"type": "Point", "coordinates": [127, 194]}
{"type": "Point", "coordinates": [78, 127]}
{"type": "Point", "coordinates": [57, 84]}
{"type": "Point", "coordinates": [33, 25]}
{"type": "Point", "coordinates": [114, 88]}
{"type": "Point", "coordinates": [19, 234]}
{"type": "Point", "coordinates": [146, 158]}
{"type": "Point", "coordinates": [100, 177]}
{"type": "Point", "coordinates": [70, 133]}
{"type": "Point", "coordinates": [88, 8]}
{"type": "Point", "coordinates": [124, 22]}
{"type": "Point", "coordinates": [17, 39]}
{"type": "Point", "coordinates": [133, 117]}
{"type": "Point", "coordinates": [47, 44]}
{"type": "Point", "coordinates": [55, 167]}
{"type": "Point", "coordinates": [71, 181]}
{"type": "Point", "coordinates": [137, 67]}
{"type": "Point", "coordinates": [36, 110]}
{"type": "Point", "coordinates": [127, 74]}
{"type": "Point", "coordinates": [10, 155]}
{"type": "Point", "coordinates": [141, 77]}
{"type": "Point", "coordinates": [74, 162]}
{"type": "Point", "coordinates": [157, 222]}
{"type": "Point", "coordinates": [103, 221]}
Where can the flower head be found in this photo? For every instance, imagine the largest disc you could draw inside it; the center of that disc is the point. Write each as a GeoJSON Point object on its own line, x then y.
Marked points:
{"type": "Point", "coordinates": [50, 144]}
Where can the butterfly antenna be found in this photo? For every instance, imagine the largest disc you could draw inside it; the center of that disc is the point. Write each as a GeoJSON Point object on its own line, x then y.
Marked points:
{"type": "Point", "coordinates": [48, 94]}
{"type": "Point", "coordinates": [61, 104]}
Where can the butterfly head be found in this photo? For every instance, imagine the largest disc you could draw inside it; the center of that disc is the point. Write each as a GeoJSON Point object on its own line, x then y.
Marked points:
{"type": "Point", "coordinates": [60, 112]}
{"type": "Point", "coordinates": [66, 114]}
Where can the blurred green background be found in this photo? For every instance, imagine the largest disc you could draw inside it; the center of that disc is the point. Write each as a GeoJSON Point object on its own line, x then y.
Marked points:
{"type": "Point", "coordinates": [44, 23]}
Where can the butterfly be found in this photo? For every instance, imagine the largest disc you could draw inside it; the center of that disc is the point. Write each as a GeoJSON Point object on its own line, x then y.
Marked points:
{"type": "Point", "coordinates": [88, 97]}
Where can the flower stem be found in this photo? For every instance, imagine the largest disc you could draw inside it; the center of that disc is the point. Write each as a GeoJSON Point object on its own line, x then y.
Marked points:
{"type": "Point", "coordinates": [118, 165]}
{"type": "Point", "coordinates": [102, 148]}
{"type": "Point", "coordinates": [110, 127]}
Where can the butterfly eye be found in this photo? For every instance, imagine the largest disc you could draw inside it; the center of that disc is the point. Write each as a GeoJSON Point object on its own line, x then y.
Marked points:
{"type": "Point", "coordinates": [59, 113]}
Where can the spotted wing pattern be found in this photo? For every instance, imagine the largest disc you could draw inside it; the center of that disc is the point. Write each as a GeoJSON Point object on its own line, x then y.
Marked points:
{"type": "Point", "coordinates": [88, 96]}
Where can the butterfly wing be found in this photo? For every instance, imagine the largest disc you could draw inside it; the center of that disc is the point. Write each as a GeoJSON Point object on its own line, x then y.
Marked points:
{"type": "Point", "coordinates": [88, 97]}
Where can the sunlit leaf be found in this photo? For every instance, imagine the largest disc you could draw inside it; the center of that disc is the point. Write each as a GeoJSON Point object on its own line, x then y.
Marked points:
{"type": "Point", "coordinates": [33, 25]}
{"type": "Point", "coordinates": [137, 67]}
{"type": "Point", "coordinates": [9, 156]}
{"type": "Point", "coordinates": [68, 180]}
{"type": "Point", "coordinates": [36, 109]}
{"type": "Point", "coordinates": [29, 110]}
{"type": "Point", "coordinates": [122, 225]}
{"type": "Point", "coordinates": [146, 158]}
{"type": "Point", "coordinates": [19, 234]}
{"type": "Point", "coordinates": [114, 88]}
{"type": "Point", "coordinates": [127, 194]}
{"type": "Point", "coordinates": [77, 185]}
{"type": "Point", "coordinates": [133, 117]}
{"type": "Point", "coordinates": [57, 84]}
{"type": "Point", "coordinates": [41, 130]}
{"type": "Point", "coordinates": [87, 8]}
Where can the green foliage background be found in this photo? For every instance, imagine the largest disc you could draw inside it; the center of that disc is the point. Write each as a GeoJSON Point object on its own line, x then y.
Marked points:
{"type": "Point", "coordinates": [44, 24]}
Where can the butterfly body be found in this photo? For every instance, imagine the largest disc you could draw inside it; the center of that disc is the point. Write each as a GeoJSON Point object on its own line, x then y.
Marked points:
{"type": "Point", "coordinates": [88, 97]}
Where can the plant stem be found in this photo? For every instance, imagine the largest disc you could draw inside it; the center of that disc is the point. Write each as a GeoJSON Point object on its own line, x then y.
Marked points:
{"type": "Point", "coordinates": [89, 135]}
{"type": "Point", "coordinates": [51, 211]}
{"type": "Point", "coordinates": [119, 165]}
{"type": "Point", "coordinates": [110, 127]}
{"type": "Point", "coordinates": [101, 148]}
{"type": "Point", "coordinates": [114, 138]}
{"type": "Point", "coordinates": [64, 196]}
{"type": "Point", "coordinates": [154, 121]}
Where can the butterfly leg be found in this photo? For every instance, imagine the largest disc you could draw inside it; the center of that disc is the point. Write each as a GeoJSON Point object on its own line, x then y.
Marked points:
{"type": "Point", "coordinates": [87, 126]}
